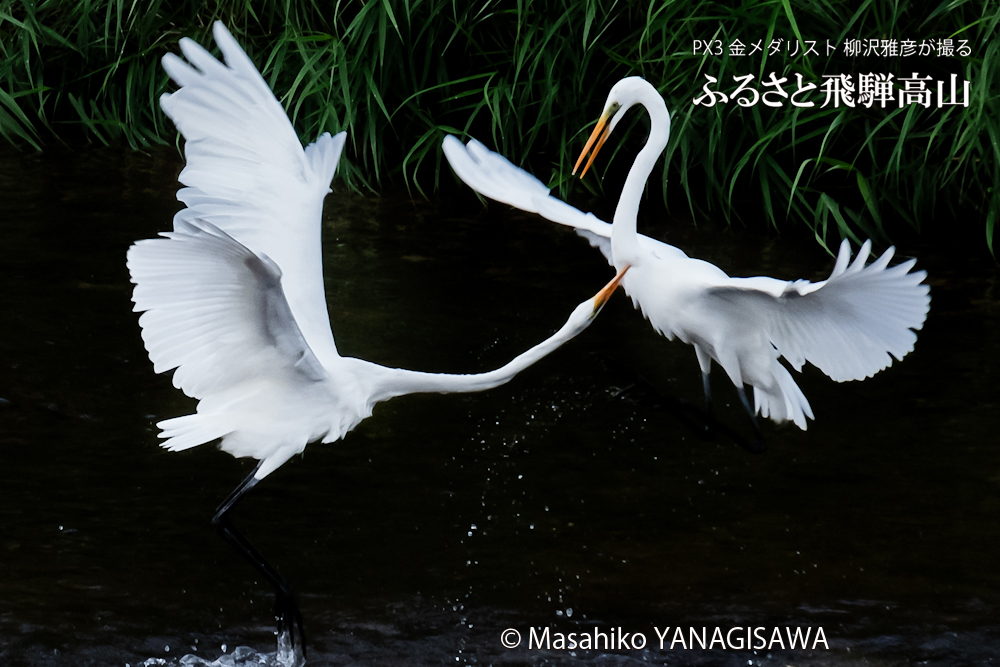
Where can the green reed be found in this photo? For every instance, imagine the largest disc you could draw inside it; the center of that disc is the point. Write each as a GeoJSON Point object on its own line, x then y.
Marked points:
{"type": "Point", "coordinates": [529, 78]}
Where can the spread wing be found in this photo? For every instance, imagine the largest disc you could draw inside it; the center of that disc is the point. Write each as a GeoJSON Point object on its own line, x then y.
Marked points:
{"type": "Point", "coordinates": [215, 311]}
{"type": "Point", "coordinates": [847, 326]}
{"type": "Point", "coordinates": [494, 176]}
{"type": "Point", "coordinates": [248, 175]}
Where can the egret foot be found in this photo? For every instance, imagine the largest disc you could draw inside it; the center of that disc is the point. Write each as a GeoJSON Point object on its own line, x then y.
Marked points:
{"type": "Point", "coordinates": [291, 636]}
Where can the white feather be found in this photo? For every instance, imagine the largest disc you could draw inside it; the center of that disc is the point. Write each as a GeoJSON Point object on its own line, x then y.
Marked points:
{"type": "Point", "coordinates": [248, 174]}
{"type": "Point", "coordinates": [216, 312]}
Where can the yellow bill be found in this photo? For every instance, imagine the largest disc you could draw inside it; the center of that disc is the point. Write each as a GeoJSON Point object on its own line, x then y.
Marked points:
{"type": "Point", "coordinates": [600, 135]}
{"type": "Point", "coordinates": [602, 297]}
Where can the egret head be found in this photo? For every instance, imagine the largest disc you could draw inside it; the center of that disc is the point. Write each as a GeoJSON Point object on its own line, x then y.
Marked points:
{"type": "Point", "coordinates": [624, 95]}
{"type": "Point", "coordinates": [585, 313]}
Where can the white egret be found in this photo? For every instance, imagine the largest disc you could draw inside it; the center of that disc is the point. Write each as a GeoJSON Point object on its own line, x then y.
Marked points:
{"type": "Point", "coordinates": [233, 297]}
{"type": "Point", "coordinates": [847, 325]}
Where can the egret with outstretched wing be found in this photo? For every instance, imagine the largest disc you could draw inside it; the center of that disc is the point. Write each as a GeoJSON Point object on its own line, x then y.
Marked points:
{"type": "Point", "coordinates": [233, 297]}
{"type": "Point", "coordinates": [850, 326]}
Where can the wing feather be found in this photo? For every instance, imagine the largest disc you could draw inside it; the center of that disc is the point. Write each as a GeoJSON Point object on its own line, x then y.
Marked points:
{"type": "Point", "coordinates": [494, 176]}
{"type": "Point", "coordinates": [850, 326]}
{"type": "Point", "coordinates": [216, 312]}
{"type": "Point", "coordinates": [248, 175]}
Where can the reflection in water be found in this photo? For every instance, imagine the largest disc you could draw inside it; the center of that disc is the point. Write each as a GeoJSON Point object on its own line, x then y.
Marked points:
{"type": "Point", "coordinates": [574, 497]}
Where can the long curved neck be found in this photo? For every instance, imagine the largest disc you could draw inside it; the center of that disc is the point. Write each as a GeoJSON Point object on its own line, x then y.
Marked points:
{"type": "Point", "coordinates": [624, 236]}
{"type": "Point", "coordinates": [390, 382]}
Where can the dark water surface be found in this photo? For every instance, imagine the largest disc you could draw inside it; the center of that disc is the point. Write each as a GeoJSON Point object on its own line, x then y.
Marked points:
{"type": "Point", "coordinates": [576, 497]}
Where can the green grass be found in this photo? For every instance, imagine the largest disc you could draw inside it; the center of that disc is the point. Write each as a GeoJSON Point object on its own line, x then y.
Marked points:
{"type": "Point", "coordinates": [529, 78]}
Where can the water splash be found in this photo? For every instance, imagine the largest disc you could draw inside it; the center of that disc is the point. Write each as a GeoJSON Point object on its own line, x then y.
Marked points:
{"type": "Point", "coordinates": [241, 656]}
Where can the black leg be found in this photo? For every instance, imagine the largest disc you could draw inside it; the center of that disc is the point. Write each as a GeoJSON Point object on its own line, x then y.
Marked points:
{"type": "Point", "coordinates": [235, 496]}
{"type": "Point", "coordinates": [757, 444]}
{"type": "Point", "coordinates": [291, 637]}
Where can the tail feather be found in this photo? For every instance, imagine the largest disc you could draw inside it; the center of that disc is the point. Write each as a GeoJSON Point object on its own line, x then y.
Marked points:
{"type": "Point", "coordinates": [190, 431]}
{"type": "Point", "coordinates": [783, 400]}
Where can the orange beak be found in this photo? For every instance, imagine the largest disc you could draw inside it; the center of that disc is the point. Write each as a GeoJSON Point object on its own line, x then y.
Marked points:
{"type": "Point", "coordinates": [602, 297]}
{"type": "Point", "coordinates": [602, 124]}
